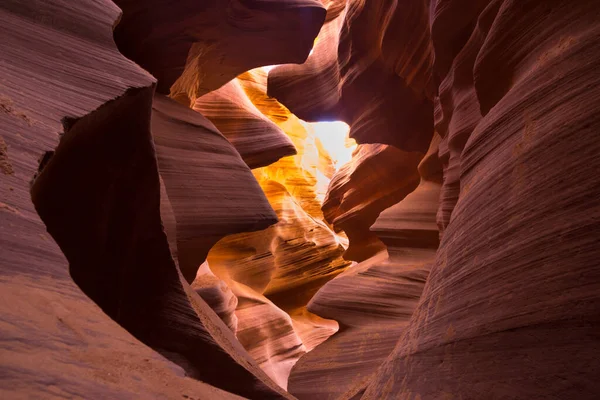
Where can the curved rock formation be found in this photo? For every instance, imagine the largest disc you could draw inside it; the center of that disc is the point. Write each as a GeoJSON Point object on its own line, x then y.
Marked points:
{"type": "Point", "coordinates": [217, 295]}
{"type": "Point", "coordinates": [305, 250]}
{"type": "Point", "coordinates": [258, 140]}
{"type": "Point", "coordinates": [208, 204]}
{"type": "Point", "coordinates": [280, 268]}
{"type": "Point", "coordinates": [511, 308]}
{"type": "Point", "coordinates": [197, 47]}
{"type": "Point", "coordinates": [112, 196]}
{"type": "Point", "coordinates": [377, 177]}
{"type": "Point", "coordinates": [373, 301]}
{"type": "Point", "coordinates": [360, 73]}
{"type": "Point", "coordinates": [80, 139]}
{"type": "Point", "coordinates": [268, 333]}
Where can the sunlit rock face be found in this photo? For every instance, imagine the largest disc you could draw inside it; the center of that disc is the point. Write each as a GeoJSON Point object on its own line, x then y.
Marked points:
{"type": "Point", "coordinates": [259, 141]}
{"type": "Point", "coordinates": [268, 333]}
{"type": "Point", "coordinates": [279, 269]}
{"type": "Point", "coordinates": [217, 295]}
{"type": "Point", "coordinates": [374, 300]}
{"type": "Point", "coordinates": [188, 234]}
{"type": "Point", "coordinates": [512, 297]}
{"type": "Point", "coordinates": [191, 152]}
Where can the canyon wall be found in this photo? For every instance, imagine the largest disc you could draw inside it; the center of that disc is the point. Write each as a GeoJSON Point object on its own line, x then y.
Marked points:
{"type": "Point", "coordinates": [106, 199]}
{"type": "Point", "coordinates": [173, 224]}
{"type": "Point", "coordinates": [511, 304]}
{"type": "Point", "coordinates": [511, 308]}
{"type": "Point", "coordinates": [275, 272]}
{"type": "Point", "coordinates": [374, 300]}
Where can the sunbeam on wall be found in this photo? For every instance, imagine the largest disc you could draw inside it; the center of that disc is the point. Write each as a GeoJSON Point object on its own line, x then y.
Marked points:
{"type": "Point", "coordinates": [327, 149]}
{"type": "Point", "coordinates": [276, 271]}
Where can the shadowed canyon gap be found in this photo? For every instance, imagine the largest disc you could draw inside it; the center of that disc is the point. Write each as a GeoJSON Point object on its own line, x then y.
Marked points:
{"type": "Point", "coordinates": [312, 199]}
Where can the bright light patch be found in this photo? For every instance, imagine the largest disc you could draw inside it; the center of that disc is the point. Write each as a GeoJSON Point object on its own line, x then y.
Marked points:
{"type": "Point", "coordinates": [334, 138]}
{"type": "Point", "coordinates": [267, 68]}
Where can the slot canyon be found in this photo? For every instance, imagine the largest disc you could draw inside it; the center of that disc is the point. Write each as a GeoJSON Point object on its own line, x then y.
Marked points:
{"type": "Point", "coordinates": [300, 199]}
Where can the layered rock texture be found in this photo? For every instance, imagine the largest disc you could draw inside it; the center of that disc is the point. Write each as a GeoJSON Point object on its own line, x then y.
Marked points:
{"type": "Point", "coordinates": [377, 177]}
{"type": "Point", "coordinates": [275, 272]}
{"type": "Point", "coordinates": [374, 300]}
{"type": "Point", "coordinates": [512, 307]}
{"type": "Point", "coordinates": [259, 141]}
{"type": "Point", "coordinates": [196, 47]}
{"type": "Point", "coordinates": [361, 73]}
{"type": "Point", "coordinates": [178, 222]}
{"type": "Point", "coordinates": [81, 196]}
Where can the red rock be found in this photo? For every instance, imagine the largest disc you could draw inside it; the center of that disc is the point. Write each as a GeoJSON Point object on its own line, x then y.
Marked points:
{"type": "Point", "coordinates": [105, 196]}
{"type": "Point", "coordinates": [361, 189]}
{"type": "Point", "coordinates": [275, 272]}
{"type": "Point", "coordinates": [312, 329]}
{"type": "Point", "coordinates": [511, 308]}
{"type": "Point", "coordinates": [268, 333]}
{"type": "Point", "coordinates": [77, 145]}
{"type": "Point", "coordinates": [208, 203]}
{"type": "Point", "coordinates": [217, 295]}
{"type": "Point", "coordinates": [259, 141]}
{"type": "Point", "coordinates": [200, 46]}
{"type": "Point", "coordinates": [367, 80]}
{"type": "Point", "coordinates": [374, 300]}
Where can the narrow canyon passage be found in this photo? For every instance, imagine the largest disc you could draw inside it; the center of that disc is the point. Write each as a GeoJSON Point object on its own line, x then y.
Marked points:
{"type": "Point", "coordinates": [300, 199]}
{"type": "Point", "coordinates": [261, 283]}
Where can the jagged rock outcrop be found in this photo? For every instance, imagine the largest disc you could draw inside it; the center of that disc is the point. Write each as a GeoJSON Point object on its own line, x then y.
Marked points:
{"type": "Point", "coordinates": [259, 141]}
{"type": "Point", "coordinates": [373, 301]}
{"type": "Point", "coordinates": [377, 177]}
{"type": "Point", "coordinates": [78, 160]}
{"type": "Point", "coordinates": [368, 78]}
{"type": "Point", "coordinates": [197, 47]}
{"type": "Point", "coordinates": [511, 308]}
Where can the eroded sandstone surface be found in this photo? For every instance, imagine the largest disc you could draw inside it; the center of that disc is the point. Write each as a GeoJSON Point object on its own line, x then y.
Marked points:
{"type": "Point", "coordinates": [312, 199]}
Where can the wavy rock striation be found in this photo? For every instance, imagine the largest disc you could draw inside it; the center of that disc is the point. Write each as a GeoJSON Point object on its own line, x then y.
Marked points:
{"type": "Point", "coordinates": [268, 333]}
{"type": "Point", "coordinates": [197, 47]}
{"type": "Point", "coordinates": [259, 141]}
{"type": "Point", "coordinates": [373, 301]}
{"type": "Point", "coordinates": [276, 271]}
{"type": "Point", "coordinates": [511, 308]}
{"type": "Point", "coordinates": [113, 198]}
{"type": "Point", "coordinates": [208, 204]}
{"type": "Point", "coordinates": [80, 140]}
{"type": "Point", "coordinates": [360, 73]}
{"type": "Point", "coordinates": [377, 177]}
{"type": "Point", "coordinates": [217, 295]}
